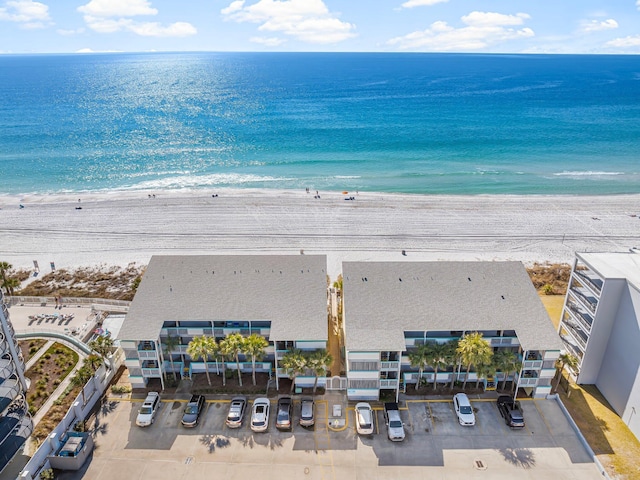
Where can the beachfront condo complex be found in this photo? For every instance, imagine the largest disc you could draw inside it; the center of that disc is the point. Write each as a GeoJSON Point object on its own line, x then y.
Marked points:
{"type": "Point", "coordinates": [391, 308]}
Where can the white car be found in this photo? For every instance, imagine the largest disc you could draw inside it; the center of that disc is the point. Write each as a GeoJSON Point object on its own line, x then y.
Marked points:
{"type": "Point", "coordinates": [464, 411]}
{"type": "Point", "coordinates": [147, 413]}
{"type": "Point", "coordinates": [260, 415]}
{"type": "Point", "coordinates": [364, 418]}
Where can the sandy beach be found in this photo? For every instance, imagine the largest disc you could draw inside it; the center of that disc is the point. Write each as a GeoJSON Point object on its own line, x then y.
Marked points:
{"type": "Point", "coordinates": [122, 227]}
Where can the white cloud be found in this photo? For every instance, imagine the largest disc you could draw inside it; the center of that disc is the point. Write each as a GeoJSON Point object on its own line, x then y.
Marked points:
{"type": "Point", "coordinates": [110, 16]}
{"type": "Point", "coordinates": [482, 30]}
{"type": "Point", "coordinates": [67, 32]}
{"type": "Point", "coordinates": [306, 20]}
{"type": "Point", "coordinates": [117, 8]}
{"type": "Point", "coordinates": [590, 26]}
{"type": "Point", "coordinates": [233, 7]}
{"type": "Point", "coordinates": [153, 29]}
{"type": "Point", "coordinates": [492, 19]}
{"type": "Point", "coordinates": [625, 42]}
{"type": "Point", "coordinates": [29, 14]}
{"type": "Point", "coordinates": [638, 4]}
{"type": "Point", "coordinates": [89, 50]}
{"type": "Point", "coordinates": [422, 3]}
{"type": "Point", "coordinates": [268, 41]}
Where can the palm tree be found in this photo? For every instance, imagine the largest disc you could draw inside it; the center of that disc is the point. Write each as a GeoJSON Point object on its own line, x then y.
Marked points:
{"type": "Point", "coordinates": [294, 363]}
{"type": "Point", "coordinates": [452, 358]}
{"type": "Point", "coordinates": [438, 358]}
{"type": "Point", "coordinates": [485, 371]}
{"type": "Point", "coordinates": [4, 268]}
{"type": "Point", "coordinates": [474, 350]}
{"type": "Point", "coordinates": [93, 361]}
{"type": "Point", "coordinates": [419, 357]}
{"type": "Point", "coordinates": [202, 348]}
{"type": "Point", "coordinates": [103, 346]}
{"type": "Point", "coordinates": [10, 284]}
{"type": "Point", "coordinates": [233, 345]}
{"type": "Point", "coordinates": [80, 379]}
{"type": "Point", "coordinates": [506, 361]}
{"type": "Point", "coordinates": [254, 346]}
{"type": "Point", "coordinates": [564, 360]}
{"type": "Point", "coordinates": [318, 362]}
{"type": "Point", "coordinates": [169, 345]}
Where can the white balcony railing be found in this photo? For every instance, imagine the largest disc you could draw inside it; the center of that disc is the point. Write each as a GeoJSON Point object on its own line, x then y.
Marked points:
{"type": "Point", "coordinates": [389, 365]}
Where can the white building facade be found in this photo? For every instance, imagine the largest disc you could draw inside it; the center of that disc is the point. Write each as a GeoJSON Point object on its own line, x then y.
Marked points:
{"type": "Point", "coordinates": [600, 326]}
{"type": "Point", "coordinates": [280, 297]}
{"type": "Point", "coordinates": [390, 308]}
{"type": "Point", "coordinates": [15, 421]}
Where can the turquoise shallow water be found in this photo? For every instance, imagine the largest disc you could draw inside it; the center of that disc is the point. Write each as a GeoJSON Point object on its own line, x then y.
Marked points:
{"type": "Point", "coordinates": [412, 123]}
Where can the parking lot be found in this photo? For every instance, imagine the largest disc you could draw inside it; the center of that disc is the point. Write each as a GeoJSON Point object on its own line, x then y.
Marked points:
{"type": "Point", "coordinates": [435, 445]}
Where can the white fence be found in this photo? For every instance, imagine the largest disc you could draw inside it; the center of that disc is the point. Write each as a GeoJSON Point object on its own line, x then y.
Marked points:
{"type": "Point", "coordinates": [104, 304]}
{"type": "Point", "coordinates": [78, 411]}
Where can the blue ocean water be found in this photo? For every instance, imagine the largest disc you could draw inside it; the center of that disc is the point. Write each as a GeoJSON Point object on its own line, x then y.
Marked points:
{"type": "Point", "coordinates": [413, 123]}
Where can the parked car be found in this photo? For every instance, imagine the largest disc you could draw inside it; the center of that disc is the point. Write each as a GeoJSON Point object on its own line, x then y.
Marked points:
{"type": "Point", "coordinates": [395, 427]}
{"type": "Point", "coordinates": [510, 411]}
{"type": "Point", "coordinates": [192, 411]}
{"type": "Point", "coordinates": [464, 411]}
{"type": "Point", "coordinates": [236, 412]}
{"type": "Point", "coordinates": [147, 413]}
{"type": "Point", "coordinates": [283, 418]}
{"type": "Point", "coordinates": [307, 412]}
{"type": "Point", "coordinates": [260, 415]}
{"type": "Point", "coordinates": [364, 418]}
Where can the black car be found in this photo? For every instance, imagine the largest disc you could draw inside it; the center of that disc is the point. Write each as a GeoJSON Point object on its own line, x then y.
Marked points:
{"type": "Point", "coordinates": [283, 418]}
{"type": "Point", "coordinates": [192, 411]}
{"type": "Point", "coordinates": [510, 411]}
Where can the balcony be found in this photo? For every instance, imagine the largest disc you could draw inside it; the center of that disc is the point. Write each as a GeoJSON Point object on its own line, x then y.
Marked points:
{"type": "Point", "coordinates": [590, 281]}
{"type": "Point", "coordinates": [9, 391]}
{"type": "Point", "coordinates": [151, 372]}
{"type": "Point", "coordinates": [580, 336]}
{"type": "Point", "coordinates": [146, 346]}
{"type": "Point", "coordinates": [583, 297]}
{"type": "Point", "coordinates": [580, 315]}
{"type": "Point", "coordinates": [570, 344]}
{"type": "Point", "coordinates": [389, 383]}
{"type": "Point", "coordinates": [389, 365]}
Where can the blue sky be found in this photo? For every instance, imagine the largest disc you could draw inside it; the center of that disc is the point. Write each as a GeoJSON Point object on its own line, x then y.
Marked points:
{"type": "Point", "coordinates": [496, 26]}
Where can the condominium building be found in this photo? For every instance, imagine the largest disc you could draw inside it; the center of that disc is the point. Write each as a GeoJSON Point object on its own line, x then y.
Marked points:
{"type": "Point", "coordinates": [15, 421]}
{"type": "Point", "coordinates": [281, 297]}
{"type": "Point", "coordinates": [392, 307]}
{"type": "Point", "coordinates": [600, 326]}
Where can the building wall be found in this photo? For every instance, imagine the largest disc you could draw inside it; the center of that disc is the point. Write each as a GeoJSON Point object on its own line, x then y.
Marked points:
{"type": "Point", "coordinates": [601, 330]}
{"type": "Point", "coordinates": [621, 362]}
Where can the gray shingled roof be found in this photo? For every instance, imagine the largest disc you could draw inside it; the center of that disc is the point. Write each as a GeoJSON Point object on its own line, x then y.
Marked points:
{"type": "Point", "coordinates": [384, 299]}
{"type": "Point", "coordinates": [288, 290]}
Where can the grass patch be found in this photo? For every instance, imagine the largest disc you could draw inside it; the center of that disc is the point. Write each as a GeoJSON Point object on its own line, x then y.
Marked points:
{"type": "Point", "coordinates": [47, 373]}
{"type": "Point", "coordinates": [553, 304]}
{"type": "Point", "coordinates": [611, 440]}
{"type": "Point", "coordinates": [550, 278]}
{"type": "Point", "coordinates": [118, 283]}
{"type": "Point", "coordinates": [30, 347]}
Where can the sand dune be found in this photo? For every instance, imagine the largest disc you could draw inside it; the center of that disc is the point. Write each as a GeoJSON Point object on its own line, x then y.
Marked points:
{"type": "Point", "coordinates": [117, 228]}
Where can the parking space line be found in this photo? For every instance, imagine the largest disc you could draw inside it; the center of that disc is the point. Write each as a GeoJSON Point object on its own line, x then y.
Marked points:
{"type": "Point", "coordinates": [324, 432]}
{"type": "Point", "coordinates": [433, 425]}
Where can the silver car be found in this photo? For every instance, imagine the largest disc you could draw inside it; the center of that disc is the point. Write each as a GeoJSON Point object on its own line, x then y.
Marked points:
{"type": "Point", "coordinates": [236, 412]}
{"type": "Point", "coordinates": [307, 412]}
{"type": "Point", "coordinates": [260, 415]}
